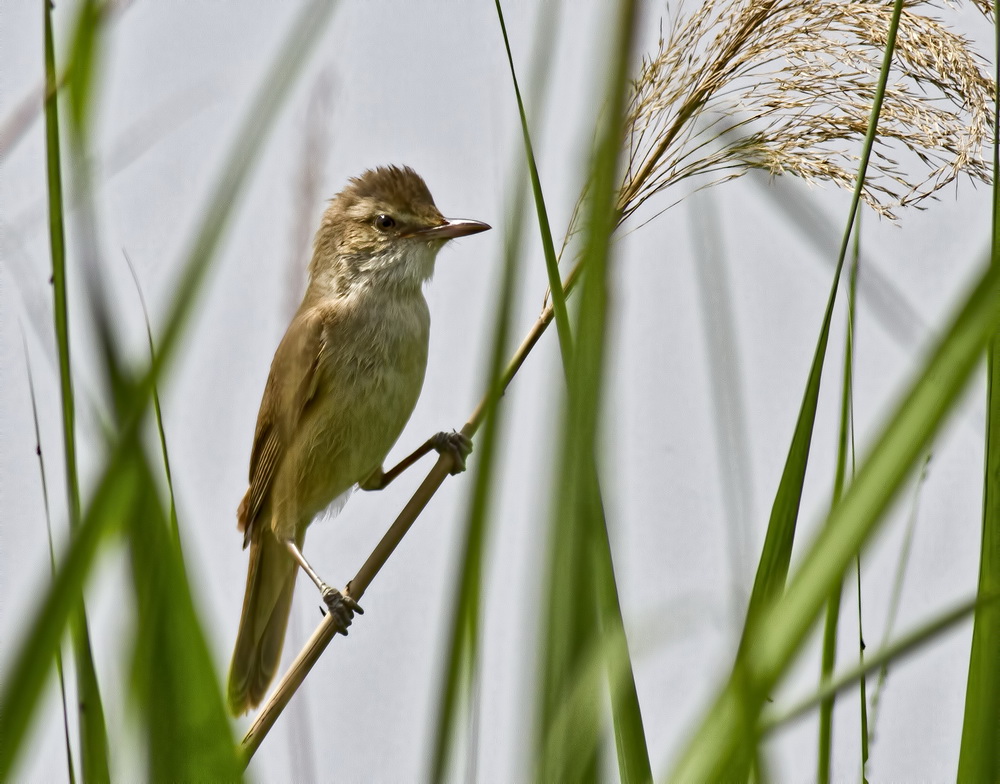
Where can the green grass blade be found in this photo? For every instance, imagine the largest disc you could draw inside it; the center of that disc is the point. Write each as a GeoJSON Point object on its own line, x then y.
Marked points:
{"type": "Point", "coordinates": [829, 661]}
{"type": "Point", "coordinates": [773, 566]}
{"type": "Point", "coordinates": [463, 639]}
{"type": "Point", "coordinates": [463, 646]}
{"type": "Point", "coordinates": [572, 613]}
{"type": "Point", "coordinates": [112, 498]}
{"type": "Point", "coordinates": [93, 732]}
{"type": "Point", "coordinates": [784, 625]}
{"type": "Point", "coordinates": [71, 774]}
{"type": "Point", "coordinates": [979, 758]}
{"type": "Point", "coordinates": [548, 246]}
{"type": "Point", "coordinates": [187, 727]}
{"type": "Point", "coordinates": [890, 651]}
{"type": "Point", "coordinates": [83, 62]}
{"type": "Point", "coordinates": [157, 411]}
{"type": "Point", "coordinates": [829, 658]}
{"type": "Point", "coordinates": [626, 715]}
{"type": "Point", "coordinates": [852, 303]}
{"type": "Point", "coordinates": [897, 593]}
{"type": "Point", "coordinates": [57, 241]}
{"type": "Point", "coordinates": [37, 648]}
{"type": "Point", "coordinates": [630, 738]}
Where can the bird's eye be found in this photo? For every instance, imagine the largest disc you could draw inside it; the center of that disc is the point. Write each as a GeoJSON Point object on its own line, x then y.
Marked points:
{"type": "Point", "coordinates": [385, 221]}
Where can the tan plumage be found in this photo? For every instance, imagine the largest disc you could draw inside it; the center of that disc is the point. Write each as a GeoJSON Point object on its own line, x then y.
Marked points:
{"type": "Point", "coordinates": [343, 383]}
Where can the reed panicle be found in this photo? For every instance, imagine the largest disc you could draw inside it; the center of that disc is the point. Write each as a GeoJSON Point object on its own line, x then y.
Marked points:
{"type": "Point", "coordinates": [786, 86]}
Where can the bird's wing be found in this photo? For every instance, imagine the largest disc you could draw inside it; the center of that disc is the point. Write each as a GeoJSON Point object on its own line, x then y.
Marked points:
{"type": "Point", "coordinates": [290, 388]}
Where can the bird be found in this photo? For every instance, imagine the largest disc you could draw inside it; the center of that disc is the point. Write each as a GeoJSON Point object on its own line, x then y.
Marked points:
{"type": "Point", "coordinates": [343, 383]}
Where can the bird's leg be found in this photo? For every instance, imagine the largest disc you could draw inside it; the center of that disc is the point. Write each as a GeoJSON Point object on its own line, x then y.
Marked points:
{"type": "Point", "coordinates": [341, 607]}
{"type": "Point", "coordinates": [454, 443]}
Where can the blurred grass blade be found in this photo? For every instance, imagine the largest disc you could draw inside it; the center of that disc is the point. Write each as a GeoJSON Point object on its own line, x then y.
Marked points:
{"type": "Point", "coordinates": [464, 632]}
{"type": "Point", "coordinates": [582, 693]}
{"type": "Point", "coordinates": [36, 650]}
{"type": "Point", "coordinates": [784, 625]}
{"type": "Point", "coordinates": [463, 645]}
{"type": "Point", "coordinates": [630, 738]}
{"type": "Point", "coordinates": [626, 715]}
{"type": "Point", "coordinates": [157, 411]}
{"type": "Point", "coordinates": [82, 65]}
{"type": "Point", "coordinates": [93, 733]}
{"type": "Point", "coordinates": [829, 657]}
{"type": "Point", "coordinates": [979, 759]}
{"type": "Point", "coordinates": [725, 377]}
{"type": "Point", "coordinates": [548, 246]}
{"type": "Point", "coordinates": [117, 481]}
{"type": "Point", "coordinates": [889, 652]}
{"type": "Point", "coordinates": [897, 593]}
{"type": "Point", "coordinates": [880, 293]}
{"type": "Point", "coordinates": [174, 679]}
{"type": "Point", "coordinates": [571, 615]}
{"type": "Point", "coordinates": [71, 775]}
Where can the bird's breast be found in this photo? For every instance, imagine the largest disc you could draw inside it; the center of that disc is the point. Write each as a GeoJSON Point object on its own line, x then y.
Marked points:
{"type": "Point", "coordinates": [372, 369]}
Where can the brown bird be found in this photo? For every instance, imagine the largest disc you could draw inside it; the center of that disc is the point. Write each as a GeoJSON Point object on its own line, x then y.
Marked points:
{"type": "Point", "coordinates": [343, 383]}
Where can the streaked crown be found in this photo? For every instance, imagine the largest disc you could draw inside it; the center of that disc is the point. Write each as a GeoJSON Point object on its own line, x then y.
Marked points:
{"type": "Point", "coordinates": [383, 224]}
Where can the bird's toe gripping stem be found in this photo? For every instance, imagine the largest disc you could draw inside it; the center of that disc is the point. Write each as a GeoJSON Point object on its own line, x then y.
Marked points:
{"type": "Point", "coordinates": [454, 443]}
{"type": "Point", "coordinates": [341, 607]}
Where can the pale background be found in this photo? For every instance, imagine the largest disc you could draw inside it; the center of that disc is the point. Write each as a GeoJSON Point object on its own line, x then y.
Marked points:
{"type": "Point", "coordinates": [427, 85]}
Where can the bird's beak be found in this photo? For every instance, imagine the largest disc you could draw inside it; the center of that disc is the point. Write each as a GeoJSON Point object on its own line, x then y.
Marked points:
{"type": "Point", "coordinates": [458, 227]}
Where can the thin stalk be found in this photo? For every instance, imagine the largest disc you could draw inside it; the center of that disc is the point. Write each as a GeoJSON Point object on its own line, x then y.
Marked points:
{"type": "Point", "coordinates": [71, 775]}
{"type": "Point", "coordinates": [548, 246]}
{"type": "Point", "coordinates": [889, 652]}
{"type": "Point", "coordinates": [461, 674]}
{"type": "Point", "coordinates": [773, 566]}
{"type": "Point", "coordinates": [577, 525]}
{"type": "Point", "coordinates": [897, 591]}
{"type": "Point", "coordinates": [93, 733]}
{"type": "Point", "coordinates": [862, 683]}
{"type": "Point", "coordinates": [463, 643]}
{"type": "Point", "coordinates": [979, 758]}
{"type": "Point", "coordinates": [843, 453]}
{"type": "Point", "coordinates": [630, 739]}
{"type": "Point", "coordinates": [157, 411]}
{"type": "Point", "coordinates": [852, 300]}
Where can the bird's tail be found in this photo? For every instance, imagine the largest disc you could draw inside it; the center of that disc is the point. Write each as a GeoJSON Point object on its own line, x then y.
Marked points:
{"type": "Point", "coordinates": [266, 605]}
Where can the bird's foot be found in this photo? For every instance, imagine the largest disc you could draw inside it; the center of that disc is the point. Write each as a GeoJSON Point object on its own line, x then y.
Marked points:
{"type": "Point", "coordinates": [455, 444]}
{"type": "Point", "coordinates": [341, 607]}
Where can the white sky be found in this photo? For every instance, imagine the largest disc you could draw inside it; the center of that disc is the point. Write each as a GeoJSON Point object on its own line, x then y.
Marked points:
{"type": "Point", "coordinates": [427, 85]}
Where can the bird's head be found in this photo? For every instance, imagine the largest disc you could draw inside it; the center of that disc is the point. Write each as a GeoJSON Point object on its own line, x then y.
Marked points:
{"type": "Point", "coordinates": [383, 229]}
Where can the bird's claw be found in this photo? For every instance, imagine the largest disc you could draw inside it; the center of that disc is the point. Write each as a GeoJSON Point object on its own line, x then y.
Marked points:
{"type": "Point", "coordinates": [341, 607]}
{"type": "Point", "coordinates": [456, 444]}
